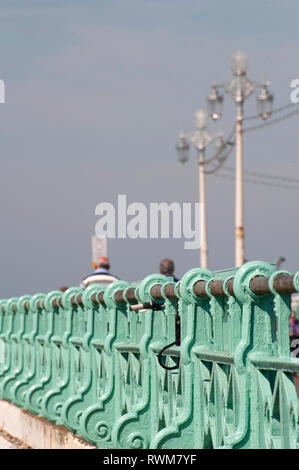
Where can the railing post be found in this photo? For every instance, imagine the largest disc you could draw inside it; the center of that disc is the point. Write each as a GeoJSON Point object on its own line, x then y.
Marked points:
{"type": "Point", "coordinates": [9, 328]}
{"type": "Point", "coordinates": [137, 363]}
{"type": "Point", "coordinates": [18, 348]}
{"type": "Point", "coordinates": [58, 387]}
{"type": "Point", "coordinates": [188, 427]}
{"type": "Point", "coordinates": [36, 391]}
{"type": "Point", "coordinates": [30, 350]}
{"type": "Point", "coordinates": [97, 421]}
{"type": "Point", "coordinates": [81, 393]}
{"type": "Point", "coordinates": [256, 328]}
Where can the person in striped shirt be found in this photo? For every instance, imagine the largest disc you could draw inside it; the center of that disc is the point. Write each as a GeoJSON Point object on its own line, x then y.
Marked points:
{"type": "Point", "coordinates": [101, 274]}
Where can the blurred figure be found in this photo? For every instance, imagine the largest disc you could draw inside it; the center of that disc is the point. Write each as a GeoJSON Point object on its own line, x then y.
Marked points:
{"type": "Point", "coordinates": [101, 274]}
{"type": "Point", "coordinates": [63, 288]}
{"type": "Point", "coordinates": [167, 268]}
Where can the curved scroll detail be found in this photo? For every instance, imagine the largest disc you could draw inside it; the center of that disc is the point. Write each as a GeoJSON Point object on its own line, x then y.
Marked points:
{"type": "Point", "coordinates": [18, 349]}
{"type": "Point", "coordinates": [135, 366]}
{"type": "Point", "coordinates": [8, 335]}
{"type": "Point", "coordinates": [81, 395]}
{"type": "Point", "coordinates": [184, 387]}
{"type": "Point", "coordinates": [3, 331]}
{"type": "Point", "coordinates": [35, 393]}
{"type": "Point", "coordinates": [247, 301]}
{"type": "Point", "coordinates": [60, 384]}
{"type": "Point", "coordinates": [103, 408]}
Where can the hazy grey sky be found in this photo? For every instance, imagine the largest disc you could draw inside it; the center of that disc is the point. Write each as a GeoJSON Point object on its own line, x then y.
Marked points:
{"type": "Point", "coordinates": [96, 94]}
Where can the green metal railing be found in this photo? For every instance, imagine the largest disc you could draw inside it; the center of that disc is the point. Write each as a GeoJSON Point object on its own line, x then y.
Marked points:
{"type": "Point", "coordinates": [90, 360]}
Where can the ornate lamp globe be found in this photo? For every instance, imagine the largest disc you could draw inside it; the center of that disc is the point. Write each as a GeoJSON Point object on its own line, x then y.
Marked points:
{"type": "Point", "coordinates": [214, 104]}
{"type": "Point", "coordinates": [182, 148]}
{"type": "Point", "coordinates": [264, 101]}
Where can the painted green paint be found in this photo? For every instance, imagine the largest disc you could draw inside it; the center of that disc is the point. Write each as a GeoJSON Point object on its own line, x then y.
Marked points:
{"type": "Point", "coordinates": [94, 368]}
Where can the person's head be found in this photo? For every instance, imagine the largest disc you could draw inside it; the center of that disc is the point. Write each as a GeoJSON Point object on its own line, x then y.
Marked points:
{"type": "Point", "coordinates": [102, 262]}
{"type": "Point", "coordinates": [166, 266]}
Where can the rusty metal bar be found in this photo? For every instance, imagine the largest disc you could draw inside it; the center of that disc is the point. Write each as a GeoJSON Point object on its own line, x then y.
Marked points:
{"type": "Point", "coordinates": [259, 285]}
{"type": "Point", "coordinates": [119, 297]}
{"type": "Point", "coordinates": [169, 292]}
{"type": "Point", "coordinates": [130, 295]}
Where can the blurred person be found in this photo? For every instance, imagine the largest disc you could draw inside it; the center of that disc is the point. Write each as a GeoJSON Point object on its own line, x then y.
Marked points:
{"type": "Point", "coordinates": [101, 274]}
{"type": "Point", "coordinates": [167, 268]}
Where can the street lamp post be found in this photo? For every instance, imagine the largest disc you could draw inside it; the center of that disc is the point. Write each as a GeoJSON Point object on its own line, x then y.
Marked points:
{"type": "Point", "coordinates": [200, 139]}
{"type": "Point", "coordinates": [239, 89]}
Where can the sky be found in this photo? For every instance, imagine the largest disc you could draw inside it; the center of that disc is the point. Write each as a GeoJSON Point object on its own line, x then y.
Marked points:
{"type": "Point", "coordinates": [97, 92]}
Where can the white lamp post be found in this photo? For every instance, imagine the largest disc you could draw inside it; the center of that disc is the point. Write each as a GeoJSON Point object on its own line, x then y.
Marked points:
{"type": "Point", "coordinates": [239, 89]}
{"type": "Point", "coordinates": [200, 139]}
